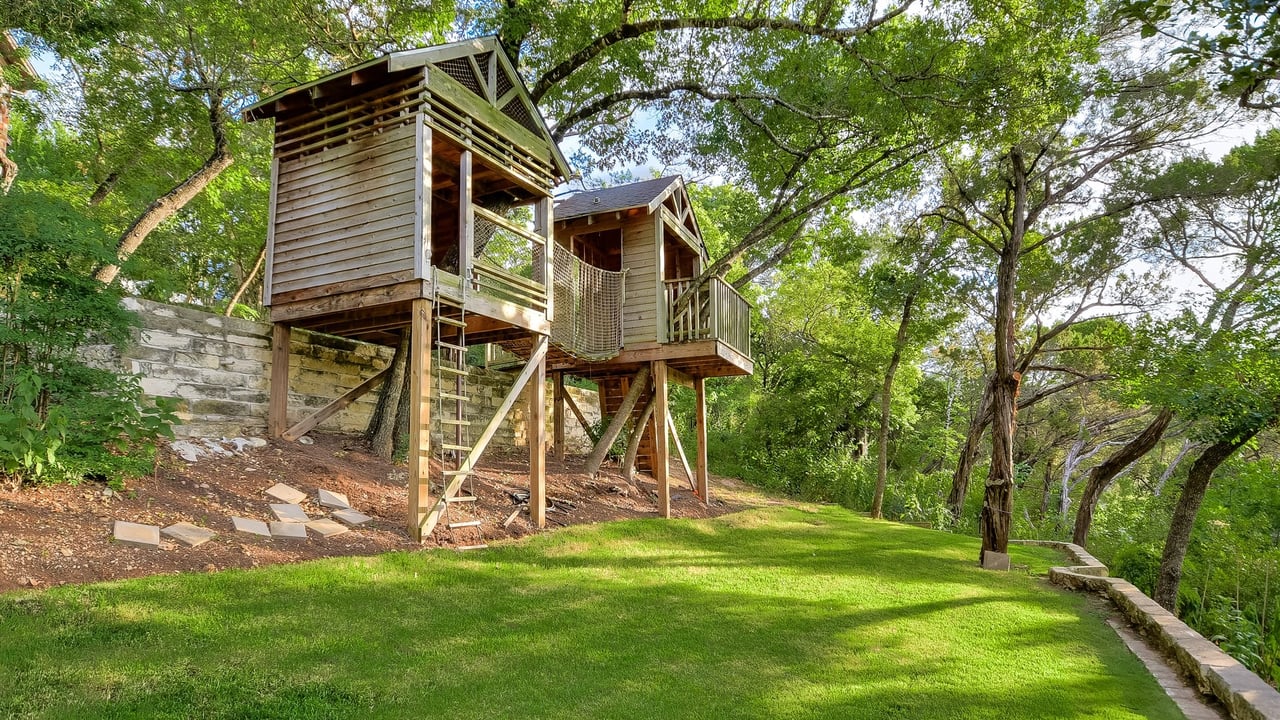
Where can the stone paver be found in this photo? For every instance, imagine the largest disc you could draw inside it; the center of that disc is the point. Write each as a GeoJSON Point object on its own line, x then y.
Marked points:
{"type": "Point", "coordinates": [338, 501]}
{"type": "Point", "coordinates": [287, 494]}
{"type": "Point", "coordinates": [188, 534]}
{"type": "Point", "coordinates": [137, 535]}
{"type": "Point", "coordinates": [351, 517]}
{"type": "Point", "coordinates": [995, 561]}
{"type": "Point", "coordinates": [327, 528]}
{"type": "Point", "coordinates": [289, 512]}
{"type": "Point", "coordinates": [255, 527]}
{"type": "Point", "coordinates": [289, 530]}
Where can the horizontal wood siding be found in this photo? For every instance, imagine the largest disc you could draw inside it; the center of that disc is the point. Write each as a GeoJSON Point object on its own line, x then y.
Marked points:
{"type": "Point", "coordinates": [639, 313]}
{"type": "Point", "coordinates": [346, 214]}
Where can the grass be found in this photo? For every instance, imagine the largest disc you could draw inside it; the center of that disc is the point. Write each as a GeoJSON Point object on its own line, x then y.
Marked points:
{"type": "Point", "coordinates": [773, 613]}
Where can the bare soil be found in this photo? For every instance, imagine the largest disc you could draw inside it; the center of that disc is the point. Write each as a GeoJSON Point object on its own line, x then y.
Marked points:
{"type": "Point", "coordinates": [62, 534]}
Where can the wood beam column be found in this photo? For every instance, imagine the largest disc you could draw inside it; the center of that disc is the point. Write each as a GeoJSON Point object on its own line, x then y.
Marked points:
{"type": "Point", "coordinates": [537, 431]}
{"type": "Point", "coordinates": [661, 461]}
{"type": "Point", "coordinates": [700, 429]}
{"type": "Point", "coordinates": [466, 220]}
{"type": "Point", "coordinates": [278, 405]}
{"type": "Point", "coordinates": [557, 416]}
{"type": "Point", "coordinates": [419, 416]}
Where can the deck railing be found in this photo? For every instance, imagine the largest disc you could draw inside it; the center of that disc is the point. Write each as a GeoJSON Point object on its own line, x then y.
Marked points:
{"type": "Point", "coordinates": [716, 311]}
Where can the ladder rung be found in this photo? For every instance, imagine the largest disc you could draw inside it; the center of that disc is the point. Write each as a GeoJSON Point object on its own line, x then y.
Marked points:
{"type": "Point", "coordinates": [462, 548]}
{"type": "Point", "coordinates": [451, 321]}
{"type": "Point", "coordinates": [450, 446]}
{"type": "Point", "coordinates": [453, 396]}
{"type": "Point", "coordinates": [465, 524]}
{"type": "Point", "coordinates": [461, 498]}
{"type": "Point", "coordinates": [456, 422]}
{"type": "Point", "coordinates": [451, 346]}
{"type": "Point", "coordinates": [455, 371]}
{"type": "Point", "coordinates": [456, 473]}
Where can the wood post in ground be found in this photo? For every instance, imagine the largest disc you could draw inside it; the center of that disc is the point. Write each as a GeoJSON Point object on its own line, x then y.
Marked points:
{"type": "Point", "coordinates": [700, 425]}
{"type": "Point", "coordinates": [419, 416]}
{"type": "Point", "coordinates": [538, 445]}
{"type": "Point", "coordinates": [278, 405]}
{"type": "Point", "coordinates": [557, 416]}
{"type": "Point", "coordinates": [596, 458]}
{"type": "Point", "coordinates": [661, 461]}
{"type": "Point", "coordinates": [633, 443]}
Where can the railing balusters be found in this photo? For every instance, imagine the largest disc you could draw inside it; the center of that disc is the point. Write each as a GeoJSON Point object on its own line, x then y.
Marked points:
{"type": "Point", "coordinates": [716, 311]}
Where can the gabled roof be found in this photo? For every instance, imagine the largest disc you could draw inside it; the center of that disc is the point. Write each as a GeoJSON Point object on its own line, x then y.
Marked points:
{"type": "Point", "coordinates": [647, 194]}
{"type": "Point", "coordinates": [10, 56]}
{"type": "Point", "coordinates": [479, 64]}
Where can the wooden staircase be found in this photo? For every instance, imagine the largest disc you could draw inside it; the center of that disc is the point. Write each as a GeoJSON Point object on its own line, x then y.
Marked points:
{"type": "Point", "coordinates": [612, 391]}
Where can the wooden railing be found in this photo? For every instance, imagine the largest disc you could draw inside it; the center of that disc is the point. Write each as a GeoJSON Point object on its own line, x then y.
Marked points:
{"type": "Point", "coordinates": [716, 311]}
{"type": "Point", "coordinates": [497, 282]}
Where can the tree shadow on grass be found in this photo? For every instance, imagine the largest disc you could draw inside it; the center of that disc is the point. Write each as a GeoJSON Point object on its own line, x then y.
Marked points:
{"type": "Point", "coordinates": [774, 626]}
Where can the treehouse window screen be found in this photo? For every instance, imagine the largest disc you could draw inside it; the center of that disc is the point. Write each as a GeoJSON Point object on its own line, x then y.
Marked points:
{"type": "Point", "coordinates": [588, 308]}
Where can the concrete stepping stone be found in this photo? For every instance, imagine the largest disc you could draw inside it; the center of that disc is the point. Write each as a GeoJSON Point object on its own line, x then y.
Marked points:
{"type": "Point", "coordinates": [286, 494]}
{"type": "Point", "coordinates": [288, 530]}
{"type": "Point", "coordinates": [995, 561]}
{"type": "Point", "coordinates": [137, 535]}
{"type": "Point", "coordinates": [327, 528]}
{"type": "Point", "coordinates": [334, 500]}
{"type": "Point", "coordinates": [289, 513]}
{"type": "Point", "coordinates": [255, 527]}
{"type": "Point", "coordinates": [351, 517]}
{"type": "Point", "coordinates": [188, 534]}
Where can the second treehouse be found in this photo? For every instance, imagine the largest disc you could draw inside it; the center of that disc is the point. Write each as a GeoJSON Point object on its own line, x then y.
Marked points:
{"type": "Point", "coordinates": [413, 194]}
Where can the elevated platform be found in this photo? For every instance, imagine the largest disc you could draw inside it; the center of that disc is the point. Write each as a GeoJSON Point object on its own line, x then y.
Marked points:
{"type": "Point", "coordinates": [699, 358]}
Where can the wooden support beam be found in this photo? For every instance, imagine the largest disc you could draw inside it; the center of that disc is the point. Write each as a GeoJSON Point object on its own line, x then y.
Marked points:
{"type": "Point", "coordinates": [319, 416]}
{"type": "Point", "coordinates": [536, 361]}
{"type": "Point", "coordinates": [577, 413]}
{"type": "Point", "coordinates": [557, 415]}
{"type": "Point", "coordinates": [466, 220]}
{"type": "Point", "coordinates": [700, 425]}
{"type": "Point", "coordinates": [596, 458]}
{"type": "Point", "coordinates": [419, 416]}
{"type": "Point", "coordinates": [278, 405]}
{"type": "Point", "coordinates": [633, 443]}
{"type": "Point", "coordinates": [537, 429]}
{"type": "Point", "coordinates": [684, 461]}
{"type": "Point", "coordinates": [661, 459]}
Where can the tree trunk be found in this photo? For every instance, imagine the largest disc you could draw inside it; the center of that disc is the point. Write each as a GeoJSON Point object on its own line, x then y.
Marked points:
{"type": "Point", "coordinates": [886, 396]}
{"type": "Point", "coordinates": [638, 384]}
{"type": "Point", "coordinates": [8, 168]}
{"type": "Point", "coordinates": [1101, 476]}
{"type": "Point", "coordinates": [1184, 515]}
{"type": "Point", "coordinates": [969, 454]}
{"type": "Point", "coordinates": [400, 428]}
{"type": "Point", "coordinates": [248, 280]}
{"type": "Point", "coordinates": [382, 423]}
{"type": "Point", "coordinates": [168, 205]}
{"type": "Point", "coordinates": [633, 443]}
{"type": "Point", "coordinates": [997, 504]}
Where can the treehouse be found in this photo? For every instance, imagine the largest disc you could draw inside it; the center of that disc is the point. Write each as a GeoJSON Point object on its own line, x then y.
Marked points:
{"type": "Point", "coordinates": [626, 262]}
{"type": "Point", "coordinates": [412, 194]}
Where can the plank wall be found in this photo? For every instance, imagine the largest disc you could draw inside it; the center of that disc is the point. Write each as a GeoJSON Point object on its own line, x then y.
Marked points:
{"type": "Point", "coordinates": [346, 214]}
{"type": "Point", "coordinates": [643, 288]}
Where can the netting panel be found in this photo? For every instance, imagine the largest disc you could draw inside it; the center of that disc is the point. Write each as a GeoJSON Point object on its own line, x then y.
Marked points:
{"type": "Point", "coordinates": [588, 308]}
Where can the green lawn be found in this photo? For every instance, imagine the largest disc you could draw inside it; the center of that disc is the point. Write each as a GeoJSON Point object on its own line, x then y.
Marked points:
{"type": "Point", "coordinates": [774, 613]}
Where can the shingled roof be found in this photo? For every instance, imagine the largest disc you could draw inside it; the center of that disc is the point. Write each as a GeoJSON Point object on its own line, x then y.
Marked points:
{"type": "Point", "coordinates": [646, 194]}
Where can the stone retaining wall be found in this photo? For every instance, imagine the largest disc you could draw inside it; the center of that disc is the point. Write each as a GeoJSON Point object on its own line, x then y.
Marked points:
{"type": "Point", "coordinates": [1245, 695]}
{"type": "Point", "coordinates": [218, 368]}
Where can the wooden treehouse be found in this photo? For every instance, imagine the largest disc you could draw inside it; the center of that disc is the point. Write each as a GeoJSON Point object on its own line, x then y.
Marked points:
{"type": "Point", "coordinates": [412, 193]}
{"type": "Point", "coordinates": [625, 261]}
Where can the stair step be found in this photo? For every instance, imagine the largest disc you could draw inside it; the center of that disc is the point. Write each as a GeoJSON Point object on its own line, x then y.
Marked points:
{"type": "Point", "coordinates": [451, 446]}
{"type": "Point", "coordinates": [461, 498]}
{"type": "Point", "coordinates": [451, 321]}
{"type": "Point", "coordinates": [465, 524]}
{"type": "Point", "coordinates": [464, 548]}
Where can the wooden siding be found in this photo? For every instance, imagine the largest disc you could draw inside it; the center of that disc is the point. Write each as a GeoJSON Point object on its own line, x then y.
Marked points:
{"type": "Point", "coordinates": [346, 213]}
{"type": "Point", "coordinates": [639, 257]}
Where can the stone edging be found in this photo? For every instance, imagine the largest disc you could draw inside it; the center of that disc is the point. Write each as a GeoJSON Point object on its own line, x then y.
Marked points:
{"type": "Point", "coordinates": [1245, 695]}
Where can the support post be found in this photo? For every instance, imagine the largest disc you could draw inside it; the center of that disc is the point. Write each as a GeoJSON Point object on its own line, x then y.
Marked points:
{"type": "Point", "coordinates": [700, 429]}
{"type": "Point", "coordinates": [278, 405]}
{"type": "Point", "coordinates": [538, 445]}
{"type": "Point", "coordinates": [419, 416]}
{"type": "Point", "coordinates": [557, 415]}
{"type": "Point", "coordinates": [661, 463]}
{"type": "Point", "coordinates": [466, 219]}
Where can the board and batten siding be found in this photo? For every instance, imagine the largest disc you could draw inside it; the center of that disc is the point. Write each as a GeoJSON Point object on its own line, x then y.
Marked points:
{"type": "Point", "coordinates": [346, 213]}
{"type": "Point", "coordinates": [639, 254]}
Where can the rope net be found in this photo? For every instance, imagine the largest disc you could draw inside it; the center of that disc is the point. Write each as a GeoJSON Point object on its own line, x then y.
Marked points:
{"type": "Point", "coordinates": [588, 308]}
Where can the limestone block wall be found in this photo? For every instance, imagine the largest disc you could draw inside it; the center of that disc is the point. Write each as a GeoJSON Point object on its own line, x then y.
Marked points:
{"type": "Point", "coordinates": [218, 368]}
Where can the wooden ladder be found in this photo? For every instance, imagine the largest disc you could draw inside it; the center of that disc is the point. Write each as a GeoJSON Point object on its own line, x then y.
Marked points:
{"type": "Point", "coordinates": [452, 394]}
